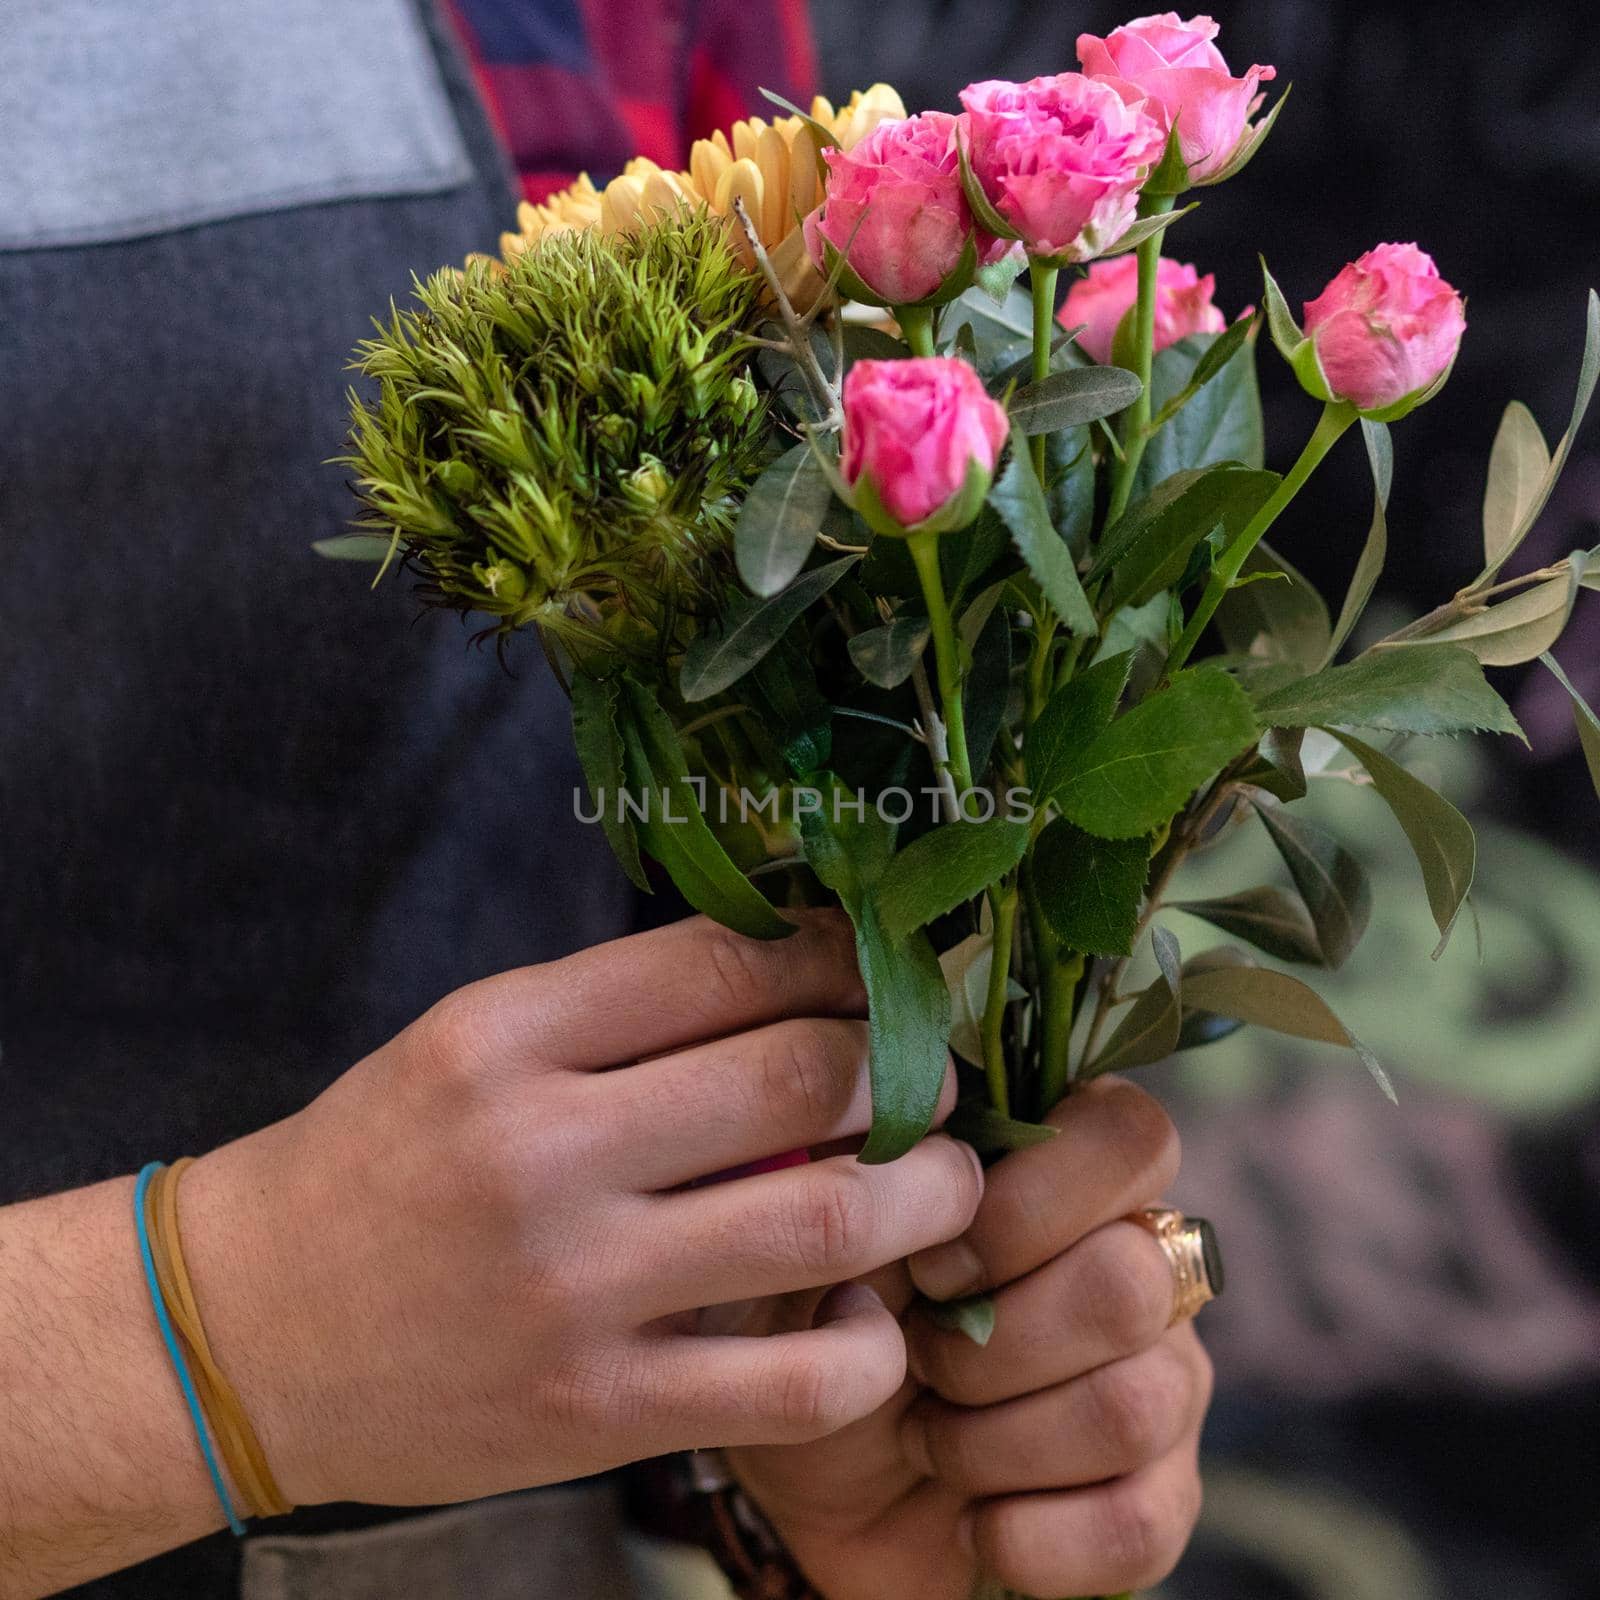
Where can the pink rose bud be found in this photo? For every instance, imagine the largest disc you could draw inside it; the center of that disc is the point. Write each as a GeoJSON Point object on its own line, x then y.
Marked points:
{"type": "Point", "coordinates": [894, 209]}
{"type": "Point", "coordinates": [1385, 332]}
{"type": "Point", "coordinates": [1184, 81]}
{"type": "Point", "coordinates": [921, 439]}
{"type": "Point", "coordinates": [1099, 302]}
{"type": "Point", "coordinates": [1061, 159]}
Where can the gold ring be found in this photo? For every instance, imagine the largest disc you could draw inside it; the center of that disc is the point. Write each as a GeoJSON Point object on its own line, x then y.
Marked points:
{"type": "Point", "coordinates": [1190, 1246]}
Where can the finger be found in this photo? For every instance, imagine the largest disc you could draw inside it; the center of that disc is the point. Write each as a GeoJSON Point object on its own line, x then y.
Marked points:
{"type": "Point", "coordinates": [659, 991]}
{"type": "Point", "coordinates": [1115, 1537]}
{"type": "Point", "coordinates": [807, 1226]}
{"type": "Point", "coordinates": [788, 1086]}
{"type": "Point", "coordinates": [1116, 1150]}
{"type": "Point", "coordinates": [1106, 1424]}
{"type": "Point", "coordinates": [787, 1388]}
{"type": "Point", "coordinates": [1108, 1297]}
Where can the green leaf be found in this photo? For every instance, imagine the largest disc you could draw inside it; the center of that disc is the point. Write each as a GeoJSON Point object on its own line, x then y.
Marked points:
{"type": "Point", "coordinates": [1587, 724]}
{"type": "Point", "coordinates": [966, 967]}
{"type": "Point", "coordinates": [1148, 547]}
{"type": "Point", "coordinates": [1283, 622]}
{"type": "Point", "coordinates": [1071, 719]}
{"type": "Point", "coordinates": [1285, 330]}
{"type": "Point", "coordinates": [1201, 1028]}
{"type": "Point", "coordinates": [718, 659]}
{"type": "Point", "coordinates": [887, 656]}
{"type": "Point", "coordinates": [780, 519]}
{"type": "Point", "coordinates": [989, 1133]}
{"type": "Point", "coordinates": [1278, 768]}
{"type": "Point", "coordinates": [1518, 465]}
{"type": "Point", "coordinates": [1020, 502]}
{"type": "Point", "coordinates": [1380, 455]}
{"type": "Point", "coordinates": [1269, 918]}
{"type": "Point", "coordinates": [1441, 838]}
{"type": "Point", "coordinates": [600, 753]}
{"type": "Point", "coordinates": [375, 547]}
{"type": "Point", "coordinates": [1430, 689]}
{"type": "Point", "coordinates": [1588, 373]}
{"type": "Point", "coordinates": [1149, 1030]}
{"type": "Point", "coordinates": [1008, 324]}
{"type": "Point", "coordinates": [1219, 421]}
{"type": "Point", "coordinates": [1275, 1000]}
{"type": "Point", "coordinates": [1510, 631]}
{"type": "Point", "coordinates": [1145, 765]}
{"type": "Point", "coordinates": [908, 1005]}
{"type": "Point", "coordinates": [944, 868]}
{"type": "Point", "coordinates": [1070, 399]}
{"type": "Point", "coordinates": [973, 1316]}
{"type": "Point", "coordinates": [1333, 885]}
{"type": "Point", "coordinates": [1089, 888]}
{"type": "Point", "coordinates": [987, 689]}
{"type": "Point", "coordinates": [675, 832]}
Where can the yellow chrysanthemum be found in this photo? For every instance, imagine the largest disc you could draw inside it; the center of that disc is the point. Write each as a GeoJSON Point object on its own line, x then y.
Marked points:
{"type": "Point", "coordinates": [771, 166]}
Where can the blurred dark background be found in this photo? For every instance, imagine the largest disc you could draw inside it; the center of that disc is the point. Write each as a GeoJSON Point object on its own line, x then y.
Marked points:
{"type": "Point", "coordinates": [1410, 1351]}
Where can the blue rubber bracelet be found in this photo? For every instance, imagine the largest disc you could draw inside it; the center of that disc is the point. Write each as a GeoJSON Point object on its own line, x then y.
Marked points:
{"type": "Point", "coordinates": [170, 1339]}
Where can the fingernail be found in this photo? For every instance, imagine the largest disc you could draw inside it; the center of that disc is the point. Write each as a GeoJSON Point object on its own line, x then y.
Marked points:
{"type": "Point", "coordinates": [967, 1533]}
{"type": "Point", "coordinates": [845, 1300]}
{"type": "Point", "coordinates": [947, 1271]}
{"type": "Point", "coordinates": [914, 1443]}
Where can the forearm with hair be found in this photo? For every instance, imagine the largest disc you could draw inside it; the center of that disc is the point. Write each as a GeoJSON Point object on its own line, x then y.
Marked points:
{"type": "Point", "coordinates": [98, 1466]}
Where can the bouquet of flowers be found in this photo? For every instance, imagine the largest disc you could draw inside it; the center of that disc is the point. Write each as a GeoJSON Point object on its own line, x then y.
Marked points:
{"type": "Point", "coordinates": [879, 578]}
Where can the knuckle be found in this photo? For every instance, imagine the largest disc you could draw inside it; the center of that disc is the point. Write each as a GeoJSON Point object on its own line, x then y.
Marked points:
{"type": "Point", "coordinates": [1146, 1136]}
{"type": "Point", "coordinates": [1125, 1289]}
{"type": "Point", "coordinates": [804, 1084]}
{"type": "Point", "coordinates": [834, 1222]}
{"type": "Point", "coordinates": [1141, 1533]}
{"type": "Point", "coordinates": [804, 1403]}
{"type": "Point", "coordinates": [736, 969]}
{"type": "Point", "coordinates": [1132, 1404]}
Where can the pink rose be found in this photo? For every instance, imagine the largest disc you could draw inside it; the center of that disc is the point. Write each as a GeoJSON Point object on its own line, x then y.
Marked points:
{"type": "Point", "coordinates": [894, 208]}
{"type": "Point", "coordinates": [1061, 159]}
{"type": "Point", "coordinates": [1100, 301]}
{"type": "Point", "coordinates": [1386, 330]}
{"type": "Point", "coordinates": [921, 438]}
{"type": "Point", "coordinates": [1183, 79]}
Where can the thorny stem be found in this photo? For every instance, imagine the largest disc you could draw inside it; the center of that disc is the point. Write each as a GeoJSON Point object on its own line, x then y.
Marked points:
{"type": "Point", "coordinates": [797, 328]}
{"type": "Point", "coordinates": [1044, 304]}
{"type": "Point", "coordinates": [924, 549]}
{"type": "Point", "coordinates": [1003, 900]}
{"type": "Point", "coordinates": [938, 747]}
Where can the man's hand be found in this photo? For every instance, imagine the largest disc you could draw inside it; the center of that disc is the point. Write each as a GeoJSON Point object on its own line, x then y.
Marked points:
{"type": "Point", "coordinates": [1061, 1458]}
{"type": "Point", "coordinates": [478, 1261]}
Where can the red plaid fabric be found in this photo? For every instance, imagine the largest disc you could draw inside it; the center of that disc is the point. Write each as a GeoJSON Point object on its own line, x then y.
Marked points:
{"type": "Point", "coordinates": [582, 85]}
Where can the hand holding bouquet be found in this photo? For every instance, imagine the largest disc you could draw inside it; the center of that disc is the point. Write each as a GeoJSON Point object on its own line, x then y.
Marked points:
{"type": "Point", "coordinates": [947, 612]}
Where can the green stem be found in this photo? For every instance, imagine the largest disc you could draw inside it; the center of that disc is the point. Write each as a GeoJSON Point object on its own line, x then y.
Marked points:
{"type": "Point", "coordinates": [1044, 310]}
{"type": "Point", "coordinates": [916, 326]}
{"type": "Point", "coordinates": [1337, 415]}
{"type": "Point", "coordinates": [1136, 419]}
{"type": "Point", "coordinates": [1003, 900]}
{"type": "Point", "coordinates": [924, 549]}
{"type": "Point", "coordinates": [1055, 1068]}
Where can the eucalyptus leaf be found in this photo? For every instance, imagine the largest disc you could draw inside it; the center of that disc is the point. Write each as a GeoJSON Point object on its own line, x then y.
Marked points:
{"type": "Point", "coordinates": [716, 660]}
{"type": "Point", "coordinates": [1584, 719]}
{"type": "Point", "coordinates": [1149, 1030]}
{"type": "Point", "coordinates": [1201, 1028]}
{"type": "Point", "coordinates": [1369, 568]}
{"type": "Point", "coordinates": [908, 1004]}
{"type": "Point", "coordinates": [1431, 689]}
{"type": "Point", "coordinates": [1278, 767]}
{"type": "Point", "coordinates": [780, 520]}
{"type": "Point", "coordinates": [1137, 773]}
{"type": "Point", "coordinates": [1275, 1000]}
{"type": "Point", "coordinates": [1269, 918]}
{"type": "Point", "coordinates": [944, 868]}
{"type": "Point", "coordinates": [1333, 885]}
{"type": "Point", "coordinates": [1441, 838]}
{"type": "Point", "coordinates": [674, 831]}
{"type": "Point", "coordinates": [1072, 718]}
{"type": "Point", "coordinates": [600, 754]}
{"type": "Point", "coordinates": [887, 656]}
{"type": "Point", "coordinates": [1510, 631]}
{"type": "Point", "coordinates": [1090, 889]}
{"type": "Point", "coordinates": [1008, 323]}
{"type": "Point", "coordinates": [973, 1316]}
{"type": "Point", "coordinates": [1070, 399]}
{"type": "Point", "coordinates": [1518, 465]}
{"type": "Point", "coordinates": [1019, 500]}
{"type": "Point", "coordinates": [990, 1133]}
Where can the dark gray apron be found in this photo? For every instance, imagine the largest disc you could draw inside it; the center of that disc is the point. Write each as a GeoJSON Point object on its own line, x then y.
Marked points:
{"type": "Point", "coordinates": [252, 820]}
